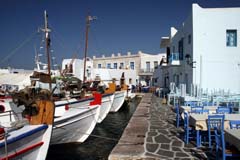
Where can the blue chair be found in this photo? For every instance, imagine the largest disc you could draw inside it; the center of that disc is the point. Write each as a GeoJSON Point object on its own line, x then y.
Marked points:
{"type": "Point", "coordinates": [227, 151]}
{"type": "Point", "coordinates": [223, 110]}
{"type": "Point", "coordinates": [205, 103]}
{"type": "Point", "coordinates": [190, 103]}
{"type": "Point", "coordinates": [235, 124]}
{"type": "Point", "coordinates": [178, 115]}
{"type": "Point", "coordinates": [231, 107]}
{"type": "Point", "coordinates": [204, 111]}
{"type": "Point", "coordinates": [188, 131]}
{"type": "Point", "coordinates": [196, 108]}
{"type": "Point", "coordinates": [214, 121]}
{"type": "Point", "coordinates": [211, 103]}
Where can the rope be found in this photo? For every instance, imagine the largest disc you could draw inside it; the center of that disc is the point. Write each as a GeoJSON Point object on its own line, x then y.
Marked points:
{"type": "Point", "coordinates": [58, 39]}
{"type": "Point", "coordinates": [17, 48]}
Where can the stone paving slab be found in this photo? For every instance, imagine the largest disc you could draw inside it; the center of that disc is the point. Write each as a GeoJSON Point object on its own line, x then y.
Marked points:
{"type": "Point", "coordinates": [151, 135]}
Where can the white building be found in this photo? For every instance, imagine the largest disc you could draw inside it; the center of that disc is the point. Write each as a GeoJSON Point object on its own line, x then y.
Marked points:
{"type": "Point", "coordinates": [142, 63]}
{"type": "Point", "coordinates": [75, 67]}
{"type": "Point", "coordinates": [205, 50]}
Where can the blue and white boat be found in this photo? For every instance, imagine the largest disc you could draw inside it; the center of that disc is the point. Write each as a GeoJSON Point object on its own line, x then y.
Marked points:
{"type": "Point", "coordinates": [24, 138]}
{"type": "Point", "coordinates": [74, 120]}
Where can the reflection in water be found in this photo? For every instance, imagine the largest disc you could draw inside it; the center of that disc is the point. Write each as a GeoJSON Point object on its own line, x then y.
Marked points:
{"type": "Point", "coordinates": [96, 147]}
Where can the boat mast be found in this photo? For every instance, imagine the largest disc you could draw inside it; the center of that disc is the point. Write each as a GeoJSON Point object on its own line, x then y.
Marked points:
{"type": "Point", "coordinates": [47, 41]}
{"type": "Point", "coordinates": [88, 19]}
{"type": "Point", "coordinates": [37, 59]}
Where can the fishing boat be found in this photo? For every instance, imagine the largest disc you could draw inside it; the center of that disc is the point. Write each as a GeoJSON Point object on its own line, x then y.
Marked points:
{"type": "Point", "coordinates": [119, 97]}
{"type": "Point", "coordinates": [107, 102]}
{"type": "Point", "coordinates": [74, 121]}
{"type": "Point", "coordinates": [27, 135]}
{"type": "Point", "coordinates": [107, 98]}
{"type": "Point", "coordinates": [75, 114]}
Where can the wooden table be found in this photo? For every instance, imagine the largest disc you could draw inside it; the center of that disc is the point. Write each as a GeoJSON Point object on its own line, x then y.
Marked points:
{"type": "Point", "coordinates": [232, 136]}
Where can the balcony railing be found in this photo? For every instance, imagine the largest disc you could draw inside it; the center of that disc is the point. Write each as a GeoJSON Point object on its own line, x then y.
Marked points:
{"type": "Point", "coordinates": [147, 70]}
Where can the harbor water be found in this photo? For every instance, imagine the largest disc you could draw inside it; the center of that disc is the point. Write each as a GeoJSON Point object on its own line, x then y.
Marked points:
{"type": "Point", "coordinates": [102, 140]}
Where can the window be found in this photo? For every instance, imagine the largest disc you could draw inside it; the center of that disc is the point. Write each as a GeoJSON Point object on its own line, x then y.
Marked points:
{"type": "Point", "coordinates": [147, 66]}
{"type": "Point", "coordinates": [130, 81]}
{"type": "Point", "coordinates": [99, 65]}
{"type": "Point", "coordinates": [70, 68]}
{"type": "Point", "coordinates": [115, 65]}
{"type": "Point", "coordinates": [121, 65]}
{"type": "Point", "coordinates": [177, 82]}
{"type": "Point", "coordinates": [108, 65]}
{"type": "Point", "coordinates": [189, 39]}
{"type": "Point", "coordinates": [155, 64]}
{"type": "Point", "coordinates": [231, 38]}
{"type": "Point", "coordinates": [131, 65]}
{"type": "Point", "coordinates": [180, 49]}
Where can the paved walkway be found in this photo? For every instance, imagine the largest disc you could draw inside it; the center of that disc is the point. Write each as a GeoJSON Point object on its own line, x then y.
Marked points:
{"type": "Point", "coordinates": [151, 134]}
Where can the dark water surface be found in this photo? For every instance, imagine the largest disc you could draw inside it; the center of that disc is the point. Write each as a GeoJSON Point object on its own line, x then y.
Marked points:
{"type": "Point", "coordinates": [96, 148]}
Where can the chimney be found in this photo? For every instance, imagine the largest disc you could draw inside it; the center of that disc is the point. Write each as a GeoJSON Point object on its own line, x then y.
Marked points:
{"type": "Point", "coordinates": [129, 53]}
{"type": "Point", "coordinates": [94, 57]}
{"type": "Point", "coordinates": [113, 55]}
{"type": "Point", "coordinates": [119, 54]}
{"type": "Point", "coordinates": [103, 56]}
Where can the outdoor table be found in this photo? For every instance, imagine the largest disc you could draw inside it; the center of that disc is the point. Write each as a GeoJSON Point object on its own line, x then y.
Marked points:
{"type": "Point", "coordinates": [199, 121]}
{"type": "Point", "coordinates": [212, 109]}
{"type": "Point", "coordinates": [182, 109]}
{"type": "Point", "coordinates": [232, 136]}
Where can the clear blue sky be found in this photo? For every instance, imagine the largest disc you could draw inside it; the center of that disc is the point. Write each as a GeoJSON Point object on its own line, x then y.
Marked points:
{"type": "Point", "coordinates": [122, 25]}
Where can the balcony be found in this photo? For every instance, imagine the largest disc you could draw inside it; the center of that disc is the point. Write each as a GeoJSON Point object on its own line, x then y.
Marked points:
{"type": "Point", "coordinates": [146, 72]}
{"type": "Point", "coordinates": [174, 59]}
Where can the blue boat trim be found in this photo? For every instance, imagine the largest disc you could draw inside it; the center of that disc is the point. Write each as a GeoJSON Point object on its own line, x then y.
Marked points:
{"type": "Point", "coordinates": [107, 94]}
{"type": "Point", "coordinates": [29, 133]}
{"type": "Point", "coordinates": [80, 100]}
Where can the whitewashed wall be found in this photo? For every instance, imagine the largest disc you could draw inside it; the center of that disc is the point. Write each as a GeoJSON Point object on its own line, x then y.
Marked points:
{"type": "Point", "coordinates": [220, 64]}
{"type": "Point", "coordinates": [144, 58]}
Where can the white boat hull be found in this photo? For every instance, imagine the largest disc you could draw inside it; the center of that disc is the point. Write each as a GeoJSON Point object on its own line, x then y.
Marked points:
{"type": "Point", "coordinates": [29, 142]}
{"type": "Point", "coordinates": [107, 101]}
{"type": "Point", "coordinates": [74, 124]}
{"type": "Point", "coordinates": [119, 97]}
{"type": "Point", "coordinates": [24, 140]}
